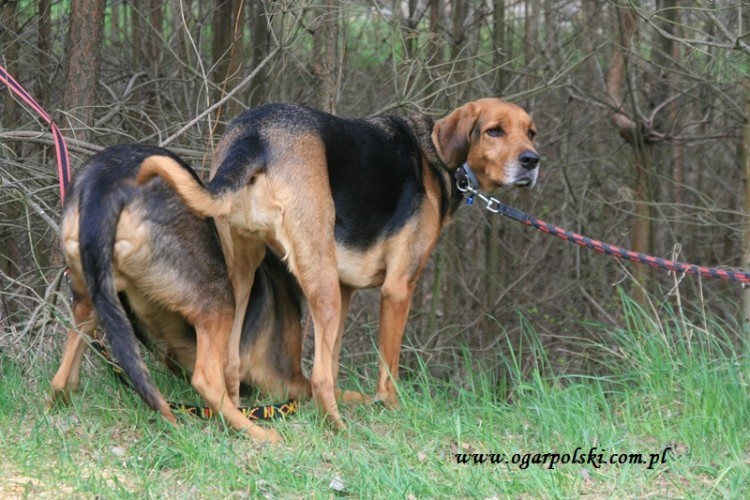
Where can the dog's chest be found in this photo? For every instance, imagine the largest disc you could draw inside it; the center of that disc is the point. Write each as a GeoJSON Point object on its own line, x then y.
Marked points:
{"type": "Point", "coordinates": [400, 254]}
{"type": "Point", "coordinates": [361, 268]}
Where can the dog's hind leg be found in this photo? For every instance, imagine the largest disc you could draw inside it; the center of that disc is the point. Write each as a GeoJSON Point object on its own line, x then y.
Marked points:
{"type": "Point", "coordinates": [212, 335]}
{"type": "Point", "coordinates": [311, 257]}
{"type": "Point", "coordinates": [243, 257]}
{"type": "Point", "coordinates": [324, 302]}
{"type": "Point", "coordinates": [231, 357]}
{"type": "Point", "coordinates": [66, 379]}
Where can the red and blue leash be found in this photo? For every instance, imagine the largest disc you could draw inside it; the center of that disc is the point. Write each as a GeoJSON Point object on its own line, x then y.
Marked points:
{"type": "Point", "coordinates": [466, 185]}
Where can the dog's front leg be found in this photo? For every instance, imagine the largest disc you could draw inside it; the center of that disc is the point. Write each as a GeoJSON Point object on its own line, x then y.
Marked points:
{"type": "Point", "coordinates": [394, 311]}
{"type": "Point", "coordinates": [346, 296]}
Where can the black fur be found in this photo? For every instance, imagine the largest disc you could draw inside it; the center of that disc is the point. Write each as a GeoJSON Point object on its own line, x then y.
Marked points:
{"type": "Point", "coordinates": [274, 298]}
{"type": "Point", "coordinates": [374, 166]}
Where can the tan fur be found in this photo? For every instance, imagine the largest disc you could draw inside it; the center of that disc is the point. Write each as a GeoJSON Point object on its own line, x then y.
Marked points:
{"type": "Point", "coordinates": [182, 181]}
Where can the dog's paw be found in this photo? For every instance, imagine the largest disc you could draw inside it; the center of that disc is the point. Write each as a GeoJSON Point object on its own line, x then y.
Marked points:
{"type": "Point", "coordinates": [350, 397]}
{"type": "Point", "coordinates": [388, 399]}
{"type": "Point", "coordinates": [263, 435]}
{"type": "Point", "coordinates": [273, 437]}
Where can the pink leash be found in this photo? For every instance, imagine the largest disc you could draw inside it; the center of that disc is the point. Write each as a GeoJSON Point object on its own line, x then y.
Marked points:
{"type": "Point", "coordinates": [61, 149]}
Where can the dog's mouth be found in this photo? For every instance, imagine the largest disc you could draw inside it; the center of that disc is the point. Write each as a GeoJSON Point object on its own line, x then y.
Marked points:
{"type": "Point", "coordinates": [523, 182]}
{"type": "Point", "coordinates": [519, 177]}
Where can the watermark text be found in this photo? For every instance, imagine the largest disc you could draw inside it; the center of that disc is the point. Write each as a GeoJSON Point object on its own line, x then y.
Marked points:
{"type": "Point", "coordinates": [594, 456]}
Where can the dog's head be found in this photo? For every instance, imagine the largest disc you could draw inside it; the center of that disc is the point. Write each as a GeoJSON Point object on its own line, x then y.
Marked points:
{"type": "Point", "coordinates": [495, 138]}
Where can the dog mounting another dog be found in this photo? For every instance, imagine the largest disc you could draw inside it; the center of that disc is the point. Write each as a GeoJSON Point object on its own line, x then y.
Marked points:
{"type": "Point", "coordinates": [142, 265]}
{"type": "Point", "coordinates": [349, 204]}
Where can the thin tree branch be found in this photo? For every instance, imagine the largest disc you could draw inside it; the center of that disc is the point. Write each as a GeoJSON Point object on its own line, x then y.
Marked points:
{"type": "Point", "coordinates": [244, 83]}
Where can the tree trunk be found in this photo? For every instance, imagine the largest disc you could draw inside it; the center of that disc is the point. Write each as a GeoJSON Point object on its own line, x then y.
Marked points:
{"type": "Point", "coordinates": [229, 52]}
{"type": "Point", "coordinates": [641, 229]}
{"type": "Point", "coordinates": [260, 22]}
{"type": "Point", "coordinates": [458, 44]}
{"type": "Point", "coordinates": [435, 53]}
{"type": "Point", "coordinates": [82, 66]}
{"type": "Point", "coordinates": [744, 158]}
{"type": "Point", "coordinates": [156, 23]}
{"type": "Point", "coordinates": [409, 29]}
{"type": "Point", "coordinates": [222, 39]}
{"type": "Point", "coordinates": [664, 90]}
{"type": "Point", "coordinates": [44, 34]}
{"type": "Point", "coordinates": [499, 37]}
{"type": "Point", "coordinates": [325, 67]}
{"type": "Point", "coordinates": [9, 58]}
{"type": "Point", "coordinates": [435, 58]}
{"type": "Point", "coordinates": [678, 166]}
{"type": "Point", "coordinates": [236, 56]}
{"type": "Point", "coordinates": [10, 254]}
{"type": "Point", "coordinates": [495, 226]}
{"type": "Point", "coordinates": [531, 32]}
{"type": "Point", "coordinates": [180, 30]}
{"type": "Point", "coordinates": [138, 32]}
{"type": "Point", "coordinates": [153, 51]}
{"type": "Point", "coordinates": [632, 131]}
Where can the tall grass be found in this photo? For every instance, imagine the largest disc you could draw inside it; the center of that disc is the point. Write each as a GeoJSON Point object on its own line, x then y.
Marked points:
{"type": "Point", "coordinates": [665, 385]}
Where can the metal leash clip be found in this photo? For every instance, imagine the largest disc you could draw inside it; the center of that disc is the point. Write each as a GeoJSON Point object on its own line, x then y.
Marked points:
{"type": "Point", "coordinates": [466, 181]}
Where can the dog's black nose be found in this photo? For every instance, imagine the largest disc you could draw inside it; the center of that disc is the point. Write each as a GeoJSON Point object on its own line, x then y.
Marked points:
{"type": "Point", "coordinates": [529, 160]}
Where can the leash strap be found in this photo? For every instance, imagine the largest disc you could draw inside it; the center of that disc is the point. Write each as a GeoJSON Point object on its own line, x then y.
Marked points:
{"type": "Point", "coordinates": [267, 412]}
{"type": "Point", "coordinates": [262, 412]}
{"type": "Point", "coordinates": [465, 185]}
{"type": "Point", "coordinates": [61, 149]}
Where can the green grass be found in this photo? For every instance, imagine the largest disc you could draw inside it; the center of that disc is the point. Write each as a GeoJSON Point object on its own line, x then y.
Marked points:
{"type": "Point", "coordinates": [666, 383]}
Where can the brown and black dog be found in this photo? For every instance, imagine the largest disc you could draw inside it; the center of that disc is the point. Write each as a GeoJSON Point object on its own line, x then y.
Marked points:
{"type": "Point", "coordinates": [142, 264]}
{"type": "Point", "coordinates": [349, 203]}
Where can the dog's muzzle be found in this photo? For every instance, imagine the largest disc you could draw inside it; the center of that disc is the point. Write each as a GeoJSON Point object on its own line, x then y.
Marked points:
{"type": "Point", "coordinates": [529, 163]}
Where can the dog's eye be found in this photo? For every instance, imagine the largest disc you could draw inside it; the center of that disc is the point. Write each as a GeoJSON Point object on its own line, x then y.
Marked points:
{"type": "Point", "coordinates": [496, 132]}
{"type": "Point", "coordinates": [532, 134]}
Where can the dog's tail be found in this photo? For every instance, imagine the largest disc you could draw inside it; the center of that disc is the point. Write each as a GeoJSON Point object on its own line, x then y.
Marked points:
{"type": "Point", "coordinates": [100, 209]}
{"type": "Point", "coordinates": [198, 199]}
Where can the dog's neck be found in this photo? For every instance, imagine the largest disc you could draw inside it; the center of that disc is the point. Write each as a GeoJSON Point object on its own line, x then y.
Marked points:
{"type": "Point", "coordinates": [450, 196]}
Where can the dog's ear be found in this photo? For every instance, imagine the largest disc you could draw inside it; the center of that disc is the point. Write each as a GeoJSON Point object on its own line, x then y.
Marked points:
{"type": "Point", "coordinates": [451, 135]}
